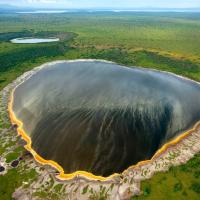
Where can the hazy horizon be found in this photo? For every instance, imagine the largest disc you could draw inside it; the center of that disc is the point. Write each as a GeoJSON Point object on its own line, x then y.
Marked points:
{"type": "Point", "coordinates": [104, 4]}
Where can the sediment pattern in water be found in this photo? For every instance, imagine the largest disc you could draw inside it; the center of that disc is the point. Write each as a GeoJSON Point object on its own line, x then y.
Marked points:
{"type": "Point", "coordinates": [102, 117]}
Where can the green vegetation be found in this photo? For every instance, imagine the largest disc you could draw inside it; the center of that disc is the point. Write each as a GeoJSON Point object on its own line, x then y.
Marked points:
{"type": "Point", "coordinates": [6, 37]}
{"type": "Point", "coordinates": [85, 189]}
{"type": "Point", "coordinates": [12, 180]}
{"type": "Point", "coordinates": [163, 41]}
{"type": "Point", "coordinates": [147, 59]}
{"type": "Point", "coordinates": [47, 193]}
{"type": "Point", "coordinates": [58, 188]}
{"type": "Point", "coordinates": [101, 195]}
{"type": "Point", "coordinates": [172, 32]}
{"type": "Point", "coordinates": [12, 156]}
{"type": "Point", "coordinates": [179, 182]}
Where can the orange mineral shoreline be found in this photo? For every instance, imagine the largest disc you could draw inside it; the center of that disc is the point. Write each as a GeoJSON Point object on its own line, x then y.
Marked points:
{"type": "Point", "coordinates": [62, 175]}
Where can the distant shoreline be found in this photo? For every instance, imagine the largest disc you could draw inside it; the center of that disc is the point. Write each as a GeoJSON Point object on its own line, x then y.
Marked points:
{"type": "Point", "coordinates": [41, 11]}
{"type": "Point", "coordinates": [38, 10]}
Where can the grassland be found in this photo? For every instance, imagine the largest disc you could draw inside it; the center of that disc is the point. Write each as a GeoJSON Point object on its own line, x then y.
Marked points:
{"type": "Point", "coordinates": [164, 41]}
{"type": "Point", "coordinates": [176, 33]}
{"type": "Point", "coordinates": [182, 182]}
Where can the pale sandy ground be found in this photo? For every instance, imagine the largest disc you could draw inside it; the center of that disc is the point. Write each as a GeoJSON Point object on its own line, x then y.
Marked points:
{"type": "Point", "coordinates": [120, 187]}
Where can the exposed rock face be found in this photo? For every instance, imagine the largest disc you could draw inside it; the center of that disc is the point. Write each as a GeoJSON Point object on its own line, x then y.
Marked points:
{"type": "Point", "coordinates": [102, 117]}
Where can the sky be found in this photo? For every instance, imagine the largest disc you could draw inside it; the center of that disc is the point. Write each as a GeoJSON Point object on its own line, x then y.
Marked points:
{"type": "Point", "coordinates": [104, 3]}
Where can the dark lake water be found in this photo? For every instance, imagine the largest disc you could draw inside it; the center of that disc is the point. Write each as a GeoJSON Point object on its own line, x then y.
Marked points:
{"type": "Point", "coordinates": [102, 117]}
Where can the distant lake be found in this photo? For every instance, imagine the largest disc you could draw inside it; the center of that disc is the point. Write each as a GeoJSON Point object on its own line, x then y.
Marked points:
{"type": "Point", "coordinates": [42, 11]}
{"type": "Point", "coordinates": [102, 117]}
{"type": "Point", "coordinates": [33, 40]}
